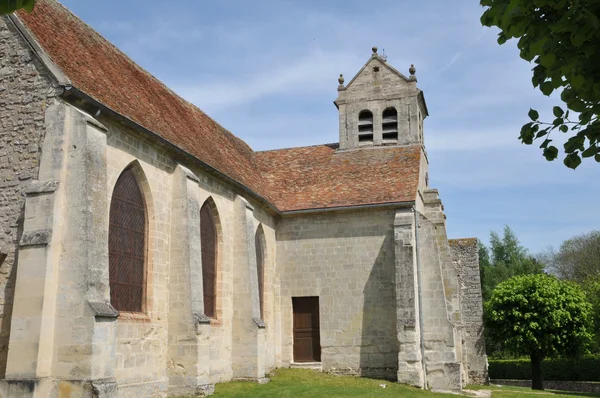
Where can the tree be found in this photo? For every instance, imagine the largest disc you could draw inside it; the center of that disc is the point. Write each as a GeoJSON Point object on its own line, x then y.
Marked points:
{"type": "Point", "coordinates": [504, 259]}
{"type": "Point", "coordinates": [592, 291]}
{"type": "Point", "coordinates": [539, 315]}
{"type": "Point", "coordinates": [562, 39]}
{"type": "Point", "coordinates": [578, 258]}
{"type": "Point", "coordinates": [9, 6]}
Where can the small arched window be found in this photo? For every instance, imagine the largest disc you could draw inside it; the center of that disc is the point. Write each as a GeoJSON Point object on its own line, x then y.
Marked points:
{"type": "Point", "coordinates": [365, 126]}
{"type": "Point", "coordinates": [127, 245]}
{"type": "Point", "coordinates": [208, 244]}
{"type": "Point", "coordinates": [259, 242]}
{"type": "Point", "coordinates": [389, 125]}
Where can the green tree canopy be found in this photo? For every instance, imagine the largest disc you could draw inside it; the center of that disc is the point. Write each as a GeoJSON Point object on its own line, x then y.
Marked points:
{"type": "Point", "coordinates": [592, 291]}
{"type": "Point", "coordinates": [539, 315]}
{"type": "Point", "coordinates": [9, 6]}
{"type": "Point", "coordinates": [562, 39]}
{"type": "Point", "coordinates": [504, 259]}
{"type": "Point", "coordinates": [578, 258]}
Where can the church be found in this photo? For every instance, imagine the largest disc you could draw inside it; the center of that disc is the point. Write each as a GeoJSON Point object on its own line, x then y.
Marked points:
{"type": "Point", "coordinates": [146, 251]}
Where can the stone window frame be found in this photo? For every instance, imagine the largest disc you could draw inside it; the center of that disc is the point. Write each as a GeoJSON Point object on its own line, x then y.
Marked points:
{"type": "Point", "coordinates": [146, 191]}
{"type": "Point", "coordinates": [218, 288]}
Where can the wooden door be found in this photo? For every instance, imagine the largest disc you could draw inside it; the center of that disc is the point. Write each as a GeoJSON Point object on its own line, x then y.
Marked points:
{"type": "Point", "coordinates": [307, 339]}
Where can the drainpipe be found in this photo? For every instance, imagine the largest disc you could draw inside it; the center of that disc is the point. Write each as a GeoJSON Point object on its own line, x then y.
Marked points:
{"type": "Point", "coordinates": [421, 328]}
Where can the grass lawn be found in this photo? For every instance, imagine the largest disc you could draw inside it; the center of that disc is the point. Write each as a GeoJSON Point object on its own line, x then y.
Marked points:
{"type": "Point", "coordinates": [510, 392]}
{"type": "Point", "coordinates": [309, 383]}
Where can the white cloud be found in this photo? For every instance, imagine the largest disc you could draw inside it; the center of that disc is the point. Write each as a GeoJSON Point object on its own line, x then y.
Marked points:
{"type": "Point", "coordinates": [314, 73]}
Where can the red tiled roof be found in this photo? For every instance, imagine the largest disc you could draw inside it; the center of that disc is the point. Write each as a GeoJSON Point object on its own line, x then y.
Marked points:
{"type": "Point", "coordinates": [319, 177]}
{"type": "Point", "coordinates": [103, 72]}
{"type": "Point", "coordinates": [290, 179]}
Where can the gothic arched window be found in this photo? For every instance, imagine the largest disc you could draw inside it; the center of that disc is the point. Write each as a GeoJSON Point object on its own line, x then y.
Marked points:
{"type": "Point", "coordinates": [208, 243]}
{"type": "Point", "coordinates": [259, 242]}
{"type": "Point", "coordinates": [127, 245]}
{"type": "Point", "coordinates": [365, 126]}
{"type": "Point", "coordinates": [389, 125]}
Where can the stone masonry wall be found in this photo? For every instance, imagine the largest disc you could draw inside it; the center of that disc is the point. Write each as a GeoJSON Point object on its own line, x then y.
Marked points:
{"type": "Point", "coordinates": [466, 259]}
{"type": "Point", "coordinates": [347, 260]}
{"type": "Point", "coordinates": [142, 356]}
{"type": "Point", "coordinates": [25, 92]}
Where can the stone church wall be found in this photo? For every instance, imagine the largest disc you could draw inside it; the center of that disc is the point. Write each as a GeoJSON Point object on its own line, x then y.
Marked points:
{"type": "Point", "coordinates": [25, 92]}
{"type": "Point", "coordinates": [141, 341]}
{"type": "Point", "coordinates": [347, 260]}
{"type": "Point", "coordinates": [142, 352]}
{"type": "Point", "coordinates": [466, 259]}
{"type": "Point", "coordinates": [82, 160]}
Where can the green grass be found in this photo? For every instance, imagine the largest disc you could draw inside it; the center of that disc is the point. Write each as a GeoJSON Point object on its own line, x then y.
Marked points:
{"type": "Point", "coordinates": [514, 392]}
{"type": "Point", "coordinates": [309, 383]}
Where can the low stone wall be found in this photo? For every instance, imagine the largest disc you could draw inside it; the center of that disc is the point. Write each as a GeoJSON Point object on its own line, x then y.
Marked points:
{"type": "Point", "coordinates": [583, 386]}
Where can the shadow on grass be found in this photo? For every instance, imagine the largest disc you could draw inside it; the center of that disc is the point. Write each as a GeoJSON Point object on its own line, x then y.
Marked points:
{"type": "Point", "coordinates": [505, 390]}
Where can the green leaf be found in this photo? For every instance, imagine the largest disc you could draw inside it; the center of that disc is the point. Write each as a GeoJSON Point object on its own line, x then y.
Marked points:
{"type": "Point", "coordinates": [533, 114]}
{"type": "Point", "coordinates": [547, 88]}
{"type": "Point", "coordinates": [551, 153]}
{"type": "Point", "coordinates": [576, 105]}
{"type": "Point", "coordinates": [591, 151]}
{"type": "Point", "coordinates": [577, 39]}
{"type": "Point", "coordinates": [527, 134]}
{"type": "Point", "coordinates": [578, 81]}
{"type": "Point", "coordinates": [541, 133]}
{"type": "Point", "coordinates": [575, 143]}
{"type": "Point", "coordinates": [545, 143]}
{"type": "Point", "coordinates": [558, 112]}
{"type": "Point", "coordinates": [585, 117]}
{"type": "Point", "coordinates": [502, 38]}
{"type": "Point", "coordinates": [9, 6]}
{"type": "Point", "coordinates": [564, 128]}
{"type": "Point", "coordinates": [548, 60]}
{"type": "Point", "coordinates": [593, 20]}
{"type": "Point", "coordinates": [572, 161]}
{"type": "Point", "coordinates": [566, 95]}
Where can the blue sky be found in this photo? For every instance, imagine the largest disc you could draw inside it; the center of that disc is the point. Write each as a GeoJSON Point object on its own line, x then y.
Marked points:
{"type": "Point", "coordinates": [267, 71]}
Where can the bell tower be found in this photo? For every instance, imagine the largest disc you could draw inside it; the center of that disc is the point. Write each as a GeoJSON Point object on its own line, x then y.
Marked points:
{"type": "Point", "coordinates": [380, 107]}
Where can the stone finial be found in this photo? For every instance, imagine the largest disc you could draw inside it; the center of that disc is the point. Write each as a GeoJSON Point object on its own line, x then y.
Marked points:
{"type": "Point", "coordinates": [341, 79]}
{"type": "Point", "coordinates": [374, 49]}
{"type": "Point", "coordinates": [412, 70]}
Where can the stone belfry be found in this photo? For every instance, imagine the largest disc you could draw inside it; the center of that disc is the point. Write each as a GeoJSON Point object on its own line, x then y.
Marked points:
{"type": "Point", "coordinates": [380, 107]}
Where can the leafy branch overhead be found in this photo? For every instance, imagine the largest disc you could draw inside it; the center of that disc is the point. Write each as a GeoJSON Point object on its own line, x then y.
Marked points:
{"type": "Point", "coordinates": [9, 6]}
{"type": "Point", "coordinates": [562, 38]}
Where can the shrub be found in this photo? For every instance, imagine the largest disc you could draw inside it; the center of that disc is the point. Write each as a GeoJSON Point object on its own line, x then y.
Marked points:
{"type": "Point", "coordinates": [555, 369]}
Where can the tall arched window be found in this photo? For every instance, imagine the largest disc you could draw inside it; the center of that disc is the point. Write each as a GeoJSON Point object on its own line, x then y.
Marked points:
{"type": "Point", "coordinates": [127, 245]}
{"type": "Point", "coordinates": [365, 126]}
{"type": "Point", "coordinates": [389, 125]}
{"type": "Point", "coordinates": [208, 243]}
{"type": "Point", "coordinates": [259, 242]}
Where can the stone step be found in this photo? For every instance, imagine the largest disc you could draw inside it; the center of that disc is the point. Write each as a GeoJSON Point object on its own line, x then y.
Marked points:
{"type": "Point", "coordinates": [307, 365]}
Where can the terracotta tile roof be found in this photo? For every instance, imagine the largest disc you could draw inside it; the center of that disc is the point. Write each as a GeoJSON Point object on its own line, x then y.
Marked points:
{"type": "Point", "coordinates": [103, 72]}
{"type": "Point", "coordinates": [321, 177]}
{"type": "Point", "coordinates": [290, 179]}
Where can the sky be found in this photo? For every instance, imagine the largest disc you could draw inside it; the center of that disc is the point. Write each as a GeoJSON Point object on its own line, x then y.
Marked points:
{"type": "Point", "coordinates": [267, 71]}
